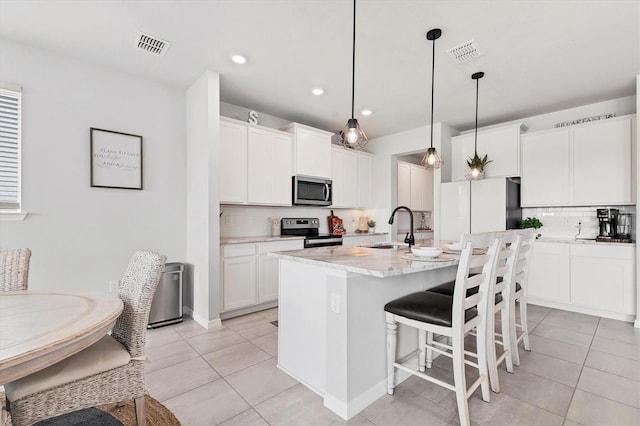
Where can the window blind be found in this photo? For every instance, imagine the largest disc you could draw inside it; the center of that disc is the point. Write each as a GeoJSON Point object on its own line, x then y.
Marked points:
{"type": "Point", "coordinates": [9, 149]}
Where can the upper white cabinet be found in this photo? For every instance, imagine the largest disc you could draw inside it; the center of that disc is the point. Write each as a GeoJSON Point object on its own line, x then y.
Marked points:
{"type": "Point", "coordinates": [583, 165]}
{"type": "Point", "coordinates": [545, 168]}
{"type": "Point", "coordinates": [501, 144]}
{"type": "Point", "coordinates": [269, 165]}
{"type": "Point", "coordinates": [233, 161]}
{"type": "Point", "coordinates": [602, 162]}
{"type": "Point", "coordinates": [311, 150]}
{"type": "Point", "coordinates": [415, 187]}
{"type": "Point", "coordinates": [352, 176]}
{"type": "Point", "coordinates": [255, 164]}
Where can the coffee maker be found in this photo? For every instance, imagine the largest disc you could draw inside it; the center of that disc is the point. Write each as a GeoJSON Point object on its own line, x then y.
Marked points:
{"type": "Point", "coordinates": [608, 220]}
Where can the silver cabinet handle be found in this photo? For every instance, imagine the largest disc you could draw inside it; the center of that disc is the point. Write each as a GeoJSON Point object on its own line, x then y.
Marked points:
{"type": "Point", "coordinates": [325, 192]}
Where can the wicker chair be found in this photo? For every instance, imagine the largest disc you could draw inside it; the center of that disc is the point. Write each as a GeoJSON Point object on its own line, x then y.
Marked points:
{"type": "Point", "coordinates": [14, 269]}
{"type": "Point", "coordinates": [111, 370]}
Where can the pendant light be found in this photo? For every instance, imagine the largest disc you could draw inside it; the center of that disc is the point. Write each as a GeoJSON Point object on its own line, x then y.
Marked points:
{"type": "Point", "coordinates": [431, 159]}
{"type": "Point", "coordinates": [353, 136]}
{"type": "Point", "coordinates": [476, 164]}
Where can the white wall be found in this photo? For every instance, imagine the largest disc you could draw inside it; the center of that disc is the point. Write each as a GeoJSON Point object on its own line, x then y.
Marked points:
{"type": "Point", "coordinates": [83, 237]}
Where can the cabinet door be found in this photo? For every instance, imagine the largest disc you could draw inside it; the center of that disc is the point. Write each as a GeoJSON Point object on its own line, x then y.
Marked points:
{"type": "Point", "coordinates": [488, 205]}
{"type": "Point", "coordinates": [269, 167]}
{"type": "Point", "coordinates": [545, 169]}
{"type": "Point", "coordinates": [344, 173]}
{"type": "Point", "coordinates": [602, 159]}
{"type": "Point", "coordinates": [281, 146]}
{"type": "Point", "coordinates": [456, 210]}
{"type": "Point", "coordinates": [602, 277]}
{"type": "Point", "coordinates": [268, 275]}
{"type": "Point", "coordinates": [426, 193]}
{"type": "Point", "coordinates": [404, 184]}
{"type": "Point", "coordinates": [365, 181]}
{"type": "Point", "coordinates": [313, 153]}
{"type": "Point", "coordinates": [239, 282]}
{"type": "Point", "coordinates": [417, 188]}
{"type": "Point", "coordinates": [503, 148]}
{"type": "Point", "coordinates": [462, 147]}
{"type": "Point", "coordinates": [549, 274]}
{"type": "Point", "coordinates": [233, 162]}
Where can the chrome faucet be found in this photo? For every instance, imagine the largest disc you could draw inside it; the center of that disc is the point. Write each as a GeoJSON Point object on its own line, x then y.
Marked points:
{"type": "Point", "coordinates": [409, 238]}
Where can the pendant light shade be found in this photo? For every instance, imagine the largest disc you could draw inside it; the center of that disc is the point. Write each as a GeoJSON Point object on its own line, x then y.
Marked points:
{"type": "Point", "coordinates": [476, 164]}
{"type": "Point", "coordinates": [431, 159]}
{"type": "Point", "coordinates": [353, 136]}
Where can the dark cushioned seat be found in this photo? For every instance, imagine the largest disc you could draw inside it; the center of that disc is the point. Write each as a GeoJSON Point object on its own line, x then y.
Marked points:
{"type": "Point", "coordinates": [427, 307]}
{"type": "Point", "coordinates": [447, 290]}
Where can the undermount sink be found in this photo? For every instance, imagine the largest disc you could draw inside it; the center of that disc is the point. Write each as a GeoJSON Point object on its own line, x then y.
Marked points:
{"type": "Point", "coordinates": [386, 246]}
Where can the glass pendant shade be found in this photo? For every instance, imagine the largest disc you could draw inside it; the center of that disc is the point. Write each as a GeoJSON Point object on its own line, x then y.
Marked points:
{"type": "Point", "coordinates": [431, 159]}
{"type": "Point", "coordinates": [353, 136]}
{"type": "Point", "coordinates": [474, 173]}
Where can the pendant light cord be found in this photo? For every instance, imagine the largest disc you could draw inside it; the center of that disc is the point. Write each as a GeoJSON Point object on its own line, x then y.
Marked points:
{"type": "Point", "coordinates": [433, 70]}
{"type": "Point", "coordinates": [475, 145]}
{"type": "Point", "coordinates": [353, 62]}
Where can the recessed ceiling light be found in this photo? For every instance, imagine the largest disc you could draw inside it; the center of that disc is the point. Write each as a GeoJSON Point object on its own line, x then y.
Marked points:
{"type": "Point", "coordinates": [238, 59]}
{"type": "Point", "coordinates": [317, 91]}
{"type": "Point", "coordinates": [366, 112]}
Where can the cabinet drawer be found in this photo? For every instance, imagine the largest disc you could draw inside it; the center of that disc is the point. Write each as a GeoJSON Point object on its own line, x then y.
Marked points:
{"type": "Point", "coordinates": [551, 248]}
{"type": "Point", "coordinates": [605, 252]}
{"type": "Point", "coordinates": [233, 250]}
{"type": "Point", "coordinates": [280, 246]}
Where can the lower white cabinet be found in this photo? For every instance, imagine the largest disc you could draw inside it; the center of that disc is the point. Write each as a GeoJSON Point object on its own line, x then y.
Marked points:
{"type": "Point", "coordinates": [594, 279]}
{"type": "Point", "coordinates": [250, 276]}
{"type": "Point", "coordinates": [549, 273]}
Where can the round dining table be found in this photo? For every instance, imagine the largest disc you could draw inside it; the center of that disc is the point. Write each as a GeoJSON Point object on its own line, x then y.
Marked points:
{"type": "Point", "coordinates": [40, 328]}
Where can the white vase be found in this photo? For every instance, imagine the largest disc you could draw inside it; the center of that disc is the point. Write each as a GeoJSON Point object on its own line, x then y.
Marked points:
{"type": "Point", "coordinates": [372, 230]}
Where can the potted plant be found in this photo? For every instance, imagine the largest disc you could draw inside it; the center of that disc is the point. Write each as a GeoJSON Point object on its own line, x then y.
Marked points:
{"type": "Point", "coordinates": [532, 222]}
{"type": "Point", "coordinates": [372, 226]}
{"type": "Point", "coordinates": [476, 166]}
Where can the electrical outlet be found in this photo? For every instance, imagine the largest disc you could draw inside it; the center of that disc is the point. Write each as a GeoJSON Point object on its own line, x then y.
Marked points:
{"type": "Point", "coordinates": [335, 303]}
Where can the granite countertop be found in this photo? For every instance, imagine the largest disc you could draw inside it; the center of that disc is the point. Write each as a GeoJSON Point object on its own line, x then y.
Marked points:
{"type": "Point", "coordinates": [364, 234]}
{"type": "Point", "coordinates": [569, 240]}
{"type": "Point", "coordinates": [363, 260]}
{"type": "Point", "coordinates": [257, 239]}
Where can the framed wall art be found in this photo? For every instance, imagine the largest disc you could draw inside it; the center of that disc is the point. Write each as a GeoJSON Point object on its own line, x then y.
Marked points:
{"type": "Point", "coordinates": [116, 159]}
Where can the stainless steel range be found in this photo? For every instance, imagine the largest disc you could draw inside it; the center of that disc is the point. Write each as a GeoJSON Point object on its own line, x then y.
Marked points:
{"type": "Point", "coordinates": [309, 228]}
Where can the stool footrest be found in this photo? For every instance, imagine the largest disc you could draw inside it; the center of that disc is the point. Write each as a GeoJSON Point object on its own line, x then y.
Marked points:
{"type": "Point", "coordinates": [424, 376]}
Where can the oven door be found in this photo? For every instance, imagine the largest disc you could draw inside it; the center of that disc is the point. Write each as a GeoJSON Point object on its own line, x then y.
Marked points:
{"type": "Point", "coordinates": [312, 191]}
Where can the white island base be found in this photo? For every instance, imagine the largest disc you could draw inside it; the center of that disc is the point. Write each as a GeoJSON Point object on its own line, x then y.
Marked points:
{"type": "Point", "coordinates": [332, 330]}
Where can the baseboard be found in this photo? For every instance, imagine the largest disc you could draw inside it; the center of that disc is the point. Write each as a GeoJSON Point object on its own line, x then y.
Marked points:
{"type": "Point", "coordinates": [362, 401]}
{"type": "Point", "coordinates": [636, 324]}
{"type": "Point", "coordinates": [582, 310]}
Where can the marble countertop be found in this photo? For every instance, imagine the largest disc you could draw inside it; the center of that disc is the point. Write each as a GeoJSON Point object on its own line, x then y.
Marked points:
{"type": "Point", "coordinates": [380, 263]}
{"type": "Point", "coordinates": [569, 240]}
{"type": "Point", "coordinates": [257, 239]}
{"type": "Point", "coordinates": [364, 234]}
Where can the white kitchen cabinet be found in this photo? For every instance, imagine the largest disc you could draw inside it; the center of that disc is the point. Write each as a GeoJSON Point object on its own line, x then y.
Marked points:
{"type": "Point", "coordinates": [549, 273]}
{"type": "Point", "coordinates": [415, 187]}
{"type": "Point", "coordinates": [269, 167]}
{"type": "Point", "coordinates": [311, 150]}
{"type": "Point", "coordinates": [478, 206]}
{"type": "Point", "coordinates": [501, 144]}
{"type": "Point", "coordinates": [255, 164]}
{"type": "Point", "coordinates": [602, 277]}
{"type": "Point", "coordinates": [545, 168]}
{"type": "Point", "coordinates": [352, 178]}
{"type": "Point", "coordinates": [582, 165]}
{"type": "Point", "coordinates": [602, 163]}
{"type": "Point", "coordinates": [233, 162]}
{"type": "Point", "coordinates": [250, 276]}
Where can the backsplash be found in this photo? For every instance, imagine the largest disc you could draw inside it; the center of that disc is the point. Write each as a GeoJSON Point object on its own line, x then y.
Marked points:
{"type": "Point", "coordinates": [562, 222]}
{"type": "Point", "coordinates": [252, 221]}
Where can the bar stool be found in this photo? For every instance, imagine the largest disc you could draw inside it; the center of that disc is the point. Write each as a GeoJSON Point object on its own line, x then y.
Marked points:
{"type": "Point", "coordinates": [448, 316]}
{"type": "Point", "coordinates": [505, 275]}
{"type": "Point", "coordinates": [520, 294]}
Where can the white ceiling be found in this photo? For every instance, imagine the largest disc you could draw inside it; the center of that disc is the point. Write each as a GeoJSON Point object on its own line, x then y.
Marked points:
{"type": "Point", "coordinates": [539, 56]}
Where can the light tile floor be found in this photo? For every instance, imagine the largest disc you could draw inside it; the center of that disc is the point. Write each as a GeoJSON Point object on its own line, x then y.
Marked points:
{"type": "Point", "coordinates": [582, 370]}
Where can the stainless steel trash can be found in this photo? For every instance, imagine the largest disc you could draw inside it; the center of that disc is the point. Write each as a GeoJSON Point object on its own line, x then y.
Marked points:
{"type": "Point", "coordinates": [166, 307]}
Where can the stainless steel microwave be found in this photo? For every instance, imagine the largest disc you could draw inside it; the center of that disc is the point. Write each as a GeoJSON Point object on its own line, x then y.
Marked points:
{"type": "Point", "coordinates": [311, 191]}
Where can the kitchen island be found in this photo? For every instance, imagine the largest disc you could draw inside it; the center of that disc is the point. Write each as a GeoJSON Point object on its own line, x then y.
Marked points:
{"type": "Point", "coordinates": [331, 326]}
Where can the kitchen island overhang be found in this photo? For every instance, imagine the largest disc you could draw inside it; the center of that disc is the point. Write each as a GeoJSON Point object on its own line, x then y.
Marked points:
{"type": "Point", "coordinates": [331, 325]}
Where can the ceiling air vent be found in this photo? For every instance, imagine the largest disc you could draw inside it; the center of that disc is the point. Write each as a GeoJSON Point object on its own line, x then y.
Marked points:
{"type": "Point", "coordinates": [152, 44]}
{"type": "Point", "coordinates": [465, 52]}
